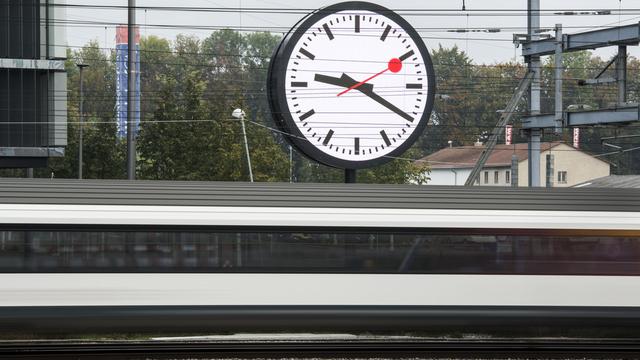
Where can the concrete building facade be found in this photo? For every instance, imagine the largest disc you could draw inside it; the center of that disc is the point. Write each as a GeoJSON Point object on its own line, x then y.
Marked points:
{"type": "Point", "coordinates": [33, 82]}
{"type": "Point", "coordinates": [571, 166]}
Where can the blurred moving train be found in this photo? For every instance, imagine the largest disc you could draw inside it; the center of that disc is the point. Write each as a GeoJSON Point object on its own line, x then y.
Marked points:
{"type": "Point", "coordinates": [196, 256]}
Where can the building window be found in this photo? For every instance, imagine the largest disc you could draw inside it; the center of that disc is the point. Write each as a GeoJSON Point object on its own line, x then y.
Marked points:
{"type": "Point", "coordinates": [507, 177]}
{"type": "Point", "coordinates": [562, 177]}
{"type": "Point", "coordinates": [486, 177]}
{"type": "Point", "coordinates": [495, 177]}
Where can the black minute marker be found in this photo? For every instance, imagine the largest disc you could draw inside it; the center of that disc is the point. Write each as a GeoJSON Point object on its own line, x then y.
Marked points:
{"type": "Point", "coordinates": [406, 56]}
{"type": "Point", "coordinates": [307, 114]}
{"type": "Point", "coordinates": [307, 54]}
{"type": "Point", "coordinates": [385, 33]}
{"type": "Point", "coordinates": [328, 137]}
{"type": "Point", "coordinates": [385, 138]}
{"type": "Point", "coordinates": [328, 31]}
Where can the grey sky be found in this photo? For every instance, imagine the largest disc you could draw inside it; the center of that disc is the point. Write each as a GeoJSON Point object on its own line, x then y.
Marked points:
{"type": "Point", "coordinates": [482, 47]}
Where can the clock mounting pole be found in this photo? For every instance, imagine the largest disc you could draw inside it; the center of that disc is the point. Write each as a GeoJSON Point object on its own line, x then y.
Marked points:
{"type": "Point", "coordinates": [349, 176]}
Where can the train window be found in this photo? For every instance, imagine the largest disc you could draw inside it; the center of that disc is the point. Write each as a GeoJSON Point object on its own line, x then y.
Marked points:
{"type": "Point", "coordinates": [429, 251]}
{"type": "Point", "coordinates": [12, 248]}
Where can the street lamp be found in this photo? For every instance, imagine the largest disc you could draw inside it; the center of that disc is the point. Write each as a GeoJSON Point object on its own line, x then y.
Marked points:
{"type": "Point", "coordinates": [290, 164]}
{"type": "Point", "coordinates": [239, 114]}
{"type": "Point", "coordinates": [81, 67]}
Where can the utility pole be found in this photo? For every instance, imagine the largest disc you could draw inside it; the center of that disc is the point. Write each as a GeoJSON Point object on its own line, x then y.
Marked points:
{"type": "Point", "coordinates": [550, 171]}
{"type": "Point", "coordinates": [131, 93]}
{"type": "Point", "coordinates": [80, 145]}
{"type": "Point", "coordinates": [621, 74]}
{"type": "Point", "coordinates": [533, 135]}
{"type": "Point", "coordinates": [559, 116]}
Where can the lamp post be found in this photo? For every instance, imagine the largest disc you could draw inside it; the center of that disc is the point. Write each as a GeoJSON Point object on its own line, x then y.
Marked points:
{"type": "Point", "coordinates": [290, 164]}
{"type": "Point", "coordinates": [239, 114]}
{"type": "Point", "coordinates": [81, 67]}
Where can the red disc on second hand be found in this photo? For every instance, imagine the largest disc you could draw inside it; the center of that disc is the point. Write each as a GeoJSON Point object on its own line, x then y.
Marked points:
{"type": "Point", "coordinates": [395, 65]}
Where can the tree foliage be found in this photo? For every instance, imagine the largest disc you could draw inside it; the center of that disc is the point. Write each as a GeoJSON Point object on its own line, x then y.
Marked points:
{"type": "Point", "coordinates": [103, 153]}
{"type": "Point", "coordinates": [188, 132]}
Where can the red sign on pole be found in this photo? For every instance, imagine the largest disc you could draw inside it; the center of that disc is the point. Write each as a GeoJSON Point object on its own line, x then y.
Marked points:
{"type": "Point", "coordinates": [576, 138]}
{"type": "Point", "coordinates": [508, 134]}
{"type": "Point", "coordinates": [122, 35]}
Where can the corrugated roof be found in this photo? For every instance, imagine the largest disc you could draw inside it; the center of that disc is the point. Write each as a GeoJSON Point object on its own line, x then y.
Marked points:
{"type": "Point", "coordinates": [613, 181]}
{"type": "Point", "coordinates": [467, 156]}
{"type": "Point", "coordinates": [180, 193]}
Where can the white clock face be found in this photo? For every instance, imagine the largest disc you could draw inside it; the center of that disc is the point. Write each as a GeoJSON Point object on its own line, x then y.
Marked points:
{"type": "Point", "coordinates": [357, 86]}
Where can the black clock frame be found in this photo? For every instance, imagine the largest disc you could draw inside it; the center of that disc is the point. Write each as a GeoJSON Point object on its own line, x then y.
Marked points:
{"type": "Point", "coordinates": [276, 86]}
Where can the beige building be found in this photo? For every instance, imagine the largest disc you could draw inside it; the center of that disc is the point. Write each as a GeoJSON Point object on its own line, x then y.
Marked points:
{"type": "Point", "coordinates": [571, 166]}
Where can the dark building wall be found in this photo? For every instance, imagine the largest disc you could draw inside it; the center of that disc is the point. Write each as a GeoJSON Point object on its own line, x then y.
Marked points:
{"type": "Point", "coordinates": [23, 108]}
{"type": "Point", "coordinates": [20, 29]}
{"type": "Point", "coordinates": [32, 87]}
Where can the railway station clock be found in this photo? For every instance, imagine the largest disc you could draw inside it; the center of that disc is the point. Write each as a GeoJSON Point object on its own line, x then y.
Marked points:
{"type": "Point", "coordinates": [351, 85]}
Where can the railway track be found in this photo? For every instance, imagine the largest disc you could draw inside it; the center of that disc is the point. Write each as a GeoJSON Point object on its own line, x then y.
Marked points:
{"type": "Point", "coordinates": [497, 349]}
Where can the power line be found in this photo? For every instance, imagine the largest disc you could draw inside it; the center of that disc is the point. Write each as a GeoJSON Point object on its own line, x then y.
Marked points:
{"type": "Point", "coordinates": [297, 10]}
{"type": "Point", "coordinates": [69, 23]}
{"type": "Point", "coordinates": [489, 29]}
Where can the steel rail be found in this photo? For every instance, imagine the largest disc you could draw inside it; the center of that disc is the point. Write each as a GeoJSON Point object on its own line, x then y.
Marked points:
{"type": "Point", "coordinates": [620, 349]}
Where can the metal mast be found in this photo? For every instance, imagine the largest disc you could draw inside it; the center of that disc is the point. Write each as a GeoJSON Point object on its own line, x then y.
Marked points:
{"type": "Point", "coordinates": [534, 134]}
{"type": "Point", "coordinates": [131, 93]}
{"type": "Point", "coordinates": [80, 145]}
{"type": "Point", "coordinates": [502, 122]}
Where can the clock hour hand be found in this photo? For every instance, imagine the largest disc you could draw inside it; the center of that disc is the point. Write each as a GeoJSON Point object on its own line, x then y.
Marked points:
{"type": "Point", "coordinates": [331, 80]}
{"type": "Point", "coordinates": [352, 82]}
{"type": "Point", "coordinates": [344, 80]}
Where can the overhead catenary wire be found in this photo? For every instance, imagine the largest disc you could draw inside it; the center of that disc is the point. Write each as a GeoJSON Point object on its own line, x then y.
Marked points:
{"type": "Point", "coordinates": [283, 29]}
{"type": "Point", "coordinates": [192, 62]}
{"type": "Point", "coordinates": [507, 30]}
{"type": "Point", "coordinates": [403, 11]}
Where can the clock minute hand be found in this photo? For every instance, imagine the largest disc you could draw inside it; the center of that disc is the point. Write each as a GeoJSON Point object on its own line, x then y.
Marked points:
{"type": "Point", "coordinates": [347, 81]}
{"type": "Point", "coordinates": [379, 99]}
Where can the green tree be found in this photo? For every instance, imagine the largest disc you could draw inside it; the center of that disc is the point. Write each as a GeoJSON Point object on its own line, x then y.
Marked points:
{"type": "Point", "coordinates": [103, 154]}
{"type": "Point", "coordinates": [168, 140]}
{"type": "Point", "coordinates": [156, 58]}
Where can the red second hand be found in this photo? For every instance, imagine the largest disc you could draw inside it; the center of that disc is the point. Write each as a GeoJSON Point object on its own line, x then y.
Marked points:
{"type": "Point", "coordinates": [394, 66]}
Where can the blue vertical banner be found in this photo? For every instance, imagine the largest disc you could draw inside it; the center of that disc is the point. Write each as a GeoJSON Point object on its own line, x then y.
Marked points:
{"type": "Point", "coordinates": [122, 76]}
